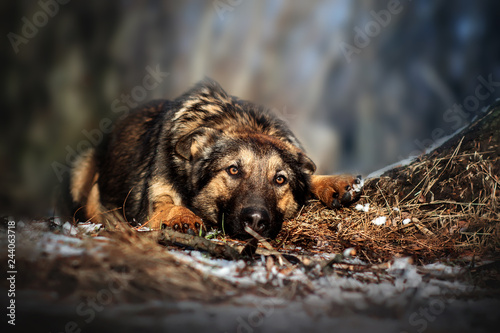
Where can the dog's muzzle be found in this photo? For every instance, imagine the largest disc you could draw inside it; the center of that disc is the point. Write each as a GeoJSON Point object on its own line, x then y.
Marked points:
{"type": "Point", "coordinates": [256, 218]}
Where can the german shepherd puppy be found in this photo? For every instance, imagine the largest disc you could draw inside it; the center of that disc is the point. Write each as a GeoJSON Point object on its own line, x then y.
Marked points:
{"type": "Point", "coordinates": [206, 158]}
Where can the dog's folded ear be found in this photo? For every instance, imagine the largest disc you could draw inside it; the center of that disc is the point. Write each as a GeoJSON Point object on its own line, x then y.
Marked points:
{"type": "Point", "coordinates": [190, 145]}
{"type": "Point", "coordinates": [306, 163]}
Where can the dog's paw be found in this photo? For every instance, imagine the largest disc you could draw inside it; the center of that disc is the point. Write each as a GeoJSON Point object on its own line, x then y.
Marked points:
{"type": "Point", "coordinates": [180, 219]}
{"type": "Point", "coordinates": [337, 191]}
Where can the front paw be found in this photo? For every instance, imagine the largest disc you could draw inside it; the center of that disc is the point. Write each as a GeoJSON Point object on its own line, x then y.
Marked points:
{"type": "Point", "coordinates": [180, 219]}
{"type": "Point", "coordinates": [337, 191]}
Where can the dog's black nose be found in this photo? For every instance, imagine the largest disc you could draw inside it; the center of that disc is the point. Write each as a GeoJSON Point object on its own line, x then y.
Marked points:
{"type": "Point", "coordinates": [255, 218]}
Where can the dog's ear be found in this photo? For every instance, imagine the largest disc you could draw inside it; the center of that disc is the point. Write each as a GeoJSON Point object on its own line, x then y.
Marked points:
{"type": "Point", "coordinates": [306, 164]}
{"type": "Point", "coordinates": [190, 145]}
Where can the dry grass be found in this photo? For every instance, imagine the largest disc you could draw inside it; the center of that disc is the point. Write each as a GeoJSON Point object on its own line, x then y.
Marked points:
{"type": "Point", "coordinates": [451, 197]}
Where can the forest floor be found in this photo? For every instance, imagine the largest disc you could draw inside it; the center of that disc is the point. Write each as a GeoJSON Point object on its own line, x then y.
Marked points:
{"type": "Point", "coordinates": [419, 252]}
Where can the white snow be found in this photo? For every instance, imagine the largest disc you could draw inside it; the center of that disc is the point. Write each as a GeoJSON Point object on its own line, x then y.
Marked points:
{"type": "Point", "coordinates": [441, 141]}
{"type": "Point", "coordinates": [405, 273]}
{"type": "Point", "coordinates": [89, 228]}
{"type": "Point", "coordinates": [406, 221]}
{"type": "Point", "coordinates": [83, 228]}
{"type": "Point", "coordinates": [234, 271]}
{"type": "Point", "coordinates": [379, 220]}
{"type": "Point", "coordinates": [439, 269]}
{"type": "Point", "coordinates": [359, 187]}
{"type": "Point", "coordinates": [69, 229]}
{"type": "Point", "coordinates": [60, 245]}
{"type": "Point", "coordinates": [379, 172]}
{"type": "Point", "coordinates": [348, 252]}
{"type": "Point", "coordinates": [364, 208]}
{"type": "Point", "coordinates": [356, 188]}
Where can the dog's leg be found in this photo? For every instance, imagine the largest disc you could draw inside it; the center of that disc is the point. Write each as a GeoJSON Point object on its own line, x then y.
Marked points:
{"type": "Point", "coordinates": [178, 218]}
{"type": "Point", "coordinates": [336, 191]}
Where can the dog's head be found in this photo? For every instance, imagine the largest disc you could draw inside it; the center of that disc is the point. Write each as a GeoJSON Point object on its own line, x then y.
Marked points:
{"type": "Point", "coordinates": [245, 179]}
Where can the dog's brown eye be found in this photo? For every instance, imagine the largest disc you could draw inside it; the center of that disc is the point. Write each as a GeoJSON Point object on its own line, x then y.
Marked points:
{"type": "Point", "coordinates": [280, 180]}
{"type": "Point", "coordinates": [233, 170]}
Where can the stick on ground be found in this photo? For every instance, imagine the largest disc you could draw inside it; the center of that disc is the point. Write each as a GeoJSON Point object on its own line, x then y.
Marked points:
{"type": "Point", "coordinates": [171, 237]}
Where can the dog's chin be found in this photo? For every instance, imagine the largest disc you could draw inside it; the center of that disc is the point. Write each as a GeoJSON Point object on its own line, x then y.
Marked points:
{"type": "Point", "coordinates": [238, 232]}
{"type": "Point", "coordinates": [242, 235]}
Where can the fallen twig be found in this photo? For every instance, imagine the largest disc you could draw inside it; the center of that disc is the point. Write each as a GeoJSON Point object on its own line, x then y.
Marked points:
{"type": "Point", "coordinates": [218, 250]}
{"type": "Point", "coordinates": [268, 246]}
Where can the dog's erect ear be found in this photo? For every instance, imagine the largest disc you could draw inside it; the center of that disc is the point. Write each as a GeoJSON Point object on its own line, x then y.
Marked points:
{"type": "Point", "coordinates": [306, 163]}
{"type": "Point", "coordinates": [190, 145]}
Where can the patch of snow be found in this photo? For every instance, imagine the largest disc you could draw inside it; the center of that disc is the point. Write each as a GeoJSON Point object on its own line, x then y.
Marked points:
{"type": "Point", "coordinates": [69, 229]}
{"type": "Point", "coordinates": [379, 220]}
{"type": "Point", "coordinates": [356, 188]}
{"type": "Point", "coordinates": [380, 172]}
{"type": "Point", "coordinates": [89, 227]}
{"type": "Point", "coordinates": [236, 272]}
{"type": "Point", "coordinates": [406, 221]}
{"type": "Point", "coordinates": [59, 245]}
{"type": "Point", "coordinates": [441, 141]}
{"type": "Point", "coordinates": [348, 252]}
{"type": "Point", "coordinates": [364, 208]}
{"type": "Point", "coordinates": [405, 273]}
{"type": "Point", "coordinates": [359, 187]}
{"type": "Point", "coordinates": [440, 269]}
{"type": "Point", "coordinates": [82, 227]}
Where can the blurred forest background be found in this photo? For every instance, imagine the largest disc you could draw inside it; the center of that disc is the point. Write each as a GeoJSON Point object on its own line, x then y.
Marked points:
{"type": "Point", "coordinates": [356, 111]}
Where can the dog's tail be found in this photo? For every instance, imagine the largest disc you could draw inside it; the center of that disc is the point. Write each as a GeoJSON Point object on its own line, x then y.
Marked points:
{"type": "Point", "coordinates": [83, 185]}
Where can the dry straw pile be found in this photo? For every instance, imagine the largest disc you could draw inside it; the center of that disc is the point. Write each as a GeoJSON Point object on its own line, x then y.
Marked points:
{"type": "Point", "coordinates": [444, 205]}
